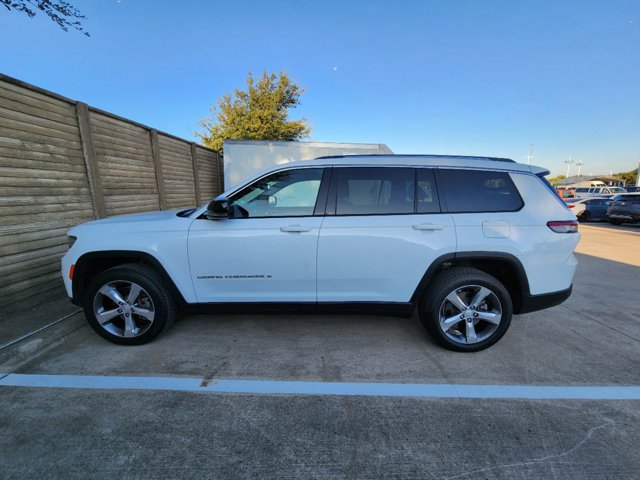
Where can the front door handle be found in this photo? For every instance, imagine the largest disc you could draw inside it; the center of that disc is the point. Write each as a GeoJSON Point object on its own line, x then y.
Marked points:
{"type": "Point", "coordinates": [428, 226]}
{"type": "Point", "coordinates": [295, 229]}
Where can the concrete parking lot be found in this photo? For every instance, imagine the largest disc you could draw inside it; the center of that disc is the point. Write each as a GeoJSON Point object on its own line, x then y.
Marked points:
{"type": "Point", "coordinates": [82, 422]}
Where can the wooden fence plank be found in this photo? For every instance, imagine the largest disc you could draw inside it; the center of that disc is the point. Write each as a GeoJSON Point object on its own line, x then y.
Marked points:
{"type": "Point", "coordinates": [17, 105]}
{"type": "Point", "coordinates": [25, 144]}
{"type": "Point", "coordinates": [41, 165]}
{"type": "Point", "coordinates": [36, 134]}
{"type": "Point", "coordinates": [22, 117]}
{"type": "Point", "coordinates": [44, 97]}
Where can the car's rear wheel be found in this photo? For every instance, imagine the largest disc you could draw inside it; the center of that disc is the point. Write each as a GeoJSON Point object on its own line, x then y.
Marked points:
{"type": "Point", "coordinates": [129, 305]}
{"type": "Point", "coordinates": [585, 217]}
{"type": "Point", "coordinates": [466, 310]}
{"type": "Point", "coordinates": [615, 221]}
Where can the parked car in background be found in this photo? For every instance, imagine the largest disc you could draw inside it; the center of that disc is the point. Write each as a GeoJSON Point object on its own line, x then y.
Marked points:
{"type": "Point", "coordinates": [589, 209]}
{"type": "Point", "coordinates": [565, 193]}
{"type": "Point", "coordinates": [586, 192]}
{"type": "Point", "coordinates": [632, 189]}
{"type": "Point", "coordinates": [624, 208]}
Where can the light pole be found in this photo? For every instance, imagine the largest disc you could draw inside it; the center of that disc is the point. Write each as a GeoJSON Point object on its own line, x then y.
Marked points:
{"type": "Point", "coordinates": [530, 156]}
{"type": "Point", "coordinates": [568, 162]}
{"type": "Point", "coordinates": [579, 165]}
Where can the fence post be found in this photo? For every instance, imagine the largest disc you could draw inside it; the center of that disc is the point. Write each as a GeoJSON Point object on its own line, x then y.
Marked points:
{"type": "Point", "coordinates": [155, 154]}
{"type": "Point", "coordinates": [90, 159]}
{"type": "Point", "coordinates": [196, 173]}
{"type": "Point", "coordinates": [220, 165]}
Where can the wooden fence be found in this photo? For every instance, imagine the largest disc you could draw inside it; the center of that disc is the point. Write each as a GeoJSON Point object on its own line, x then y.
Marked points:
{"type": "Point", "coordinates": [63, 162]}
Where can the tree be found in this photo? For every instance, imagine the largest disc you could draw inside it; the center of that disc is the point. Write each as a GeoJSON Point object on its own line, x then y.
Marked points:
{"type": "Point", "coordinates": [61, 12]}
{"type": "Point", "coordinates": [629, 178]}
{"type": "Point", "coordinates": [553, 180]}
{"type": "Point", "coordinates": [261, 112]}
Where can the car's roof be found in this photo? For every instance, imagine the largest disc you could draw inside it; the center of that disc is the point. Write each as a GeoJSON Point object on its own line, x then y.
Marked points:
{"type": "Point", "coordinates": [489, 163]}
{"type": "Point", "coordinates": [586, 199]}
{"type": "Point", "coordinates": [627, 194]}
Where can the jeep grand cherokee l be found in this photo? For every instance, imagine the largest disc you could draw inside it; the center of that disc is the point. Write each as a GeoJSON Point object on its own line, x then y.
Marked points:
{"type": "Point", "coordinates": [469, 241]}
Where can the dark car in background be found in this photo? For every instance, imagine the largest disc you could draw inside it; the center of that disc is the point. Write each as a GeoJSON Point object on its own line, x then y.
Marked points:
{"type": "Point", "coordinates": [624, 207]}
{"type": "Point", "coordinates": [589, 209]}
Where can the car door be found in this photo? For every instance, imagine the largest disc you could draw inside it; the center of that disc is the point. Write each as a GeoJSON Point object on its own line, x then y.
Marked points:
{"type": "Point", "coordinates": [380, 234]}
{"type": "Point", "coordinates": [598, 209]}
{"type": "Point", "coordinates": [266, 250]}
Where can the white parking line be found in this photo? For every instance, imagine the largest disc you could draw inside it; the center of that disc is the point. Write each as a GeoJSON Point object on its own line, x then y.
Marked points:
{"type": "Point", "coordinates": [281, 387]}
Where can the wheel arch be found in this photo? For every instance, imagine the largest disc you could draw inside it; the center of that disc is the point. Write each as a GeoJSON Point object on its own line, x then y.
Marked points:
{"type": "Point", "coordinates": [503, 266]}
{"type": "Point", "coordinates": [91, 264]}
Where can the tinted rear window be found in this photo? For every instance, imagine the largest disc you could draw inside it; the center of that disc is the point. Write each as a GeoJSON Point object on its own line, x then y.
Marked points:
{"type": "Point", "coordinates": [480, 191]}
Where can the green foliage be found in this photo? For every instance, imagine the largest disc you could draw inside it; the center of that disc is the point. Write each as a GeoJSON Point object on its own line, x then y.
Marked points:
{"type": "Point", "coordinates": [629, 178]}
{"type": "Point", "coordinates": [61, 12]}
{"type": "Point", "coordinates": [553, 180]}
{"type": "Point", "coordinates": [258, 113]}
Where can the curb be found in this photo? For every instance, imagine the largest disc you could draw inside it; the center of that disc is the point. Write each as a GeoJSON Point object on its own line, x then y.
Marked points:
{"type": "Point", "coordinates": [18, 352]}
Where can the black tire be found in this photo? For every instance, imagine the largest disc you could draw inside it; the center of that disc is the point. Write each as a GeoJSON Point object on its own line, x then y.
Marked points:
{"type": "Point", "coordinates": [467, 282]}
{"type": "Point", "coordinates": [585, 216]}
{"type": "Point", "coordinates": [615, 221]}
{"type": "Point", "coordinates": [154, 298]}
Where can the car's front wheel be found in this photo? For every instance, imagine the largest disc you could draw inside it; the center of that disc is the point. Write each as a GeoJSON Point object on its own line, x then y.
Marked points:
{"type": "Point", "coordinates": [129, 304]}
{"type": "Point", "coordinates": [466, 310]}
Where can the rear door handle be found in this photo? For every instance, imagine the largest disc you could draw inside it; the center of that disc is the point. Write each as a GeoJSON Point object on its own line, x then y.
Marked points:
{"type": "Point", "coordinates": [295, 228]}
{"type": "Point", "coordinates": [428, 226]}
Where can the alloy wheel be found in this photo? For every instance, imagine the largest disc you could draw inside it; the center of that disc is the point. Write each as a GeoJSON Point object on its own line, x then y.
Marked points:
{"type": "Point", "coordinates": [470, 314]}
{"type": "Point", "coordinates": [123, 308]}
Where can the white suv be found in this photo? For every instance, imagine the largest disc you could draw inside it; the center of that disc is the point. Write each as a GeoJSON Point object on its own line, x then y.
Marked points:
{"type": "Point", "coordinates": [468, 240]}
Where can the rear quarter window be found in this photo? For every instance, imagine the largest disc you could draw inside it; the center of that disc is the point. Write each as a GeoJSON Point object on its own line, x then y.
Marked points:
{"type": "Point", "coordinates": [468, 191]}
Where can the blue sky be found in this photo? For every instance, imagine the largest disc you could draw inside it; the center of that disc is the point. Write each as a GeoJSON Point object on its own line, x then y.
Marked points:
{"type": "Point", "coordinates": [452, 77]}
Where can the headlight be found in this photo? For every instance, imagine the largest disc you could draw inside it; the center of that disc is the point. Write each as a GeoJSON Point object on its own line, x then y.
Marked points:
{"type": "Point", "coordinates": [71, 240]}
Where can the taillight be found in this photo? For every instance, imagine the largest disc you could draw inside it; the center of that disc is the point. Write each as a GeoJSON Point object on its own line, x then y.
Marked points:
{"type": "Point", "coordinates": [571, 206]}
{"type": "Point", "coordinates": [563, 226]}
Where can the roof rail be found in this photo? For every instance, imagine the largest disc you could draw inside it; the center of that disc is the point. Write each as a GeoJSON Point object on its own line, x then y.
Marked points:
{"type": "Point", "coordinates": [495, 159]}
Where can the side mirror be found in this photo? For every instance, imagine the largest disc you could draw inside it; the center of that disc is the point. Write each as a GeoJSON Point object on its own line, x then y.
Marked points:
{"type": "Point", "coordinates": [218, 209]}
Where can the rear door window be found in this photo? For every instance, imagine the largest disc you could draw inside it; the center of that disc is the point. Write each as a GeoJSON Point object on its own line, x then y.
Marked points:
{"type": "Point", "coordinates": [374, 190]}
{"type": "Point", "coordinates": [468, 191]}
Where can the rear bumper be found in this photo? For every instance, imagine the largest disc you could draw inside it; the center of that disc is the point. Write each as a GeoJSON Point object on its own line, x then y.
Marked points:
{"type": "Point", "coordinates": [532, 303]}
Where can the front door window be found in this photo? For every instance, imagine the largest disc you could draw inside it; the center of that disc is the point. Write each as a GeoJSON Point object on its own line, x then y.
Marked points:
{"type": "Point", "coordinates": [289, 193]}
